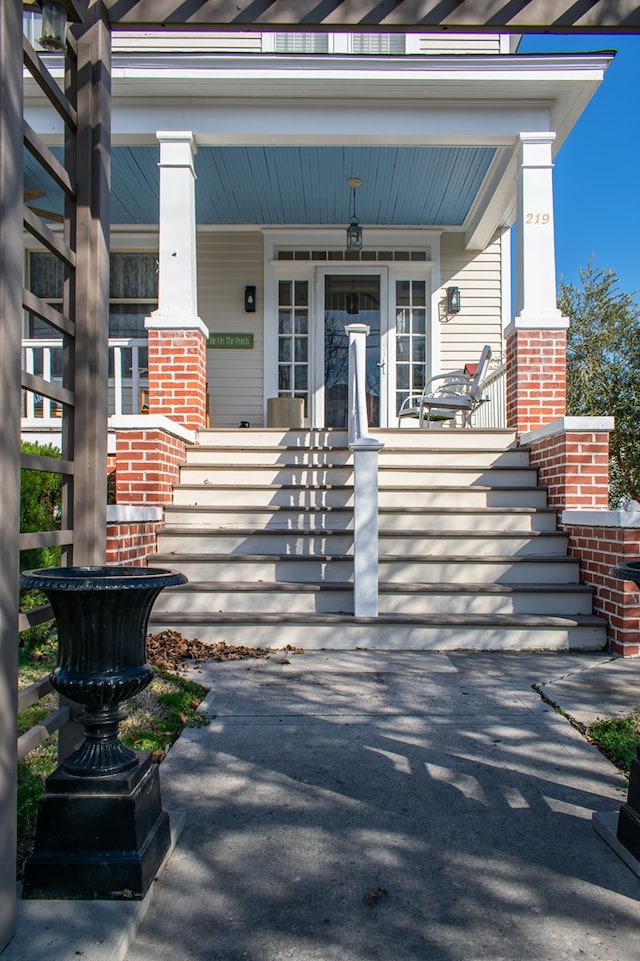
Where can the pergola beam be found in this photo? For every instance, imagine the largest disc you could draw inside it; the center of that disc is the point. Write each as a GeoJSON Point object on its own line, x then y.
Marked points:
{"type": "Point", "coordinates": [477, 16]}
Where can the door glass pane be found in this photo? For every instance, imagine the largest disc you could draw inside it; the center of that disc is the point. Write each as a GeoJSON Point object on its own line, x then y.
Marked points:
{"type": "Point", "coordinates": [411, 338]}
{"type": "Point", "coordinates": [293, 340]}
{"type": "Point", "coordinates": [348, 299]}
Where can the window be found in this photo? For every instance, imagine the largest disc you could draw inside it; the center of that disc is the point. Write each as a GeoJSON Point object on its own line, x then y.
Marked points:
{"type": "Point", "coordinates": [293, 339]}
{"type": "Point", "coordinates": [133, 294]}
{"type": "Point", "coordinates": [133, 291]}
{"type": "Point", "coordinates": [358, 43]}
{"type": "Point", "coordinates": [411, 338]}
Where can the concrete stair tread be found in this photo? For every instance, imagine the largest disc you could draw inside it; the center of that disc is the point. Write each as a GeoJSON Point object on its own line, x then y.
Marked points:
{"type": "Point", "coordinates": [169, 557]}
{"type": "Point", "coordinates": [385, 586]}
{"type": "Point", "coordinates": [321, 508]}
{"type": "Point", "coordinates": [194, 531]}
{"type": "Point", "coordinates": [447, 620]}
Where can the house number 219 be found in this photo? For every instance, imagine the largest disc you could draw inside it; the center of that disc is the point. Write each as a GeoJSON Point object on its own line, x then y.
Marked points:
{"type": "Point", "coordinates": [537, 218]}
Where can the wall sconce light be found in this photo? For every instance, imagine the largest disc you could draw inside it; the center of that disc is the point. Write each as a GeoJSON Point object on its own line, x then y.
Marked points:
{"type": "Point", "coordinates": [453, 300]}
{"type": "Point", "coordinates": [354, 230]}
{"type": "Point", "coordinates": [250, 299]}
{"type": "Point", "coordinates": [54, 26]}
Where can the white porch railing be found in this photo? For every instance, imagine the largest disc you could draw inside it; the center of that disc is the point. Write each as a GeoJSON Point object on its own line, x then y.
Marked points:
{"type": "Point", "coordinates": [127, 377]}
{"type": "Point", "coordinates": [365, 480]}
{"type": "Point", "coordinates": [492, 414]}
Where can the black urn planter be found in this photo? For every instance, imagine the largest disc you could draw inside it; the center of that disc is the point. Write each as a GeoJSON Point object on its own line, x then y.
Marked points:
{"type": "Point", "coordinates": [101, 830]}
{"type": "Point", "coordinates": [628, 832]}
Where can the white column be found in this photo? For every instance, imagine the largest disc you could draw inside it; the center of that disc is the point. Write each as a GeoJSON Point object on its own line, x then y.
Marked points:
{"type": "Point", "coordinates": [178, 275]}
{"type": "Point", "coordinates": [536, 304]}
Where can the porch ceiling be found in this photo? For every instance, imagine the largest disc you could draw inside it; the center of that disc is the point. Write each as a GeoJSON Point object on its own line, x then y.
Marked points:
{"type": "Point", "coordinates": [433, 186]}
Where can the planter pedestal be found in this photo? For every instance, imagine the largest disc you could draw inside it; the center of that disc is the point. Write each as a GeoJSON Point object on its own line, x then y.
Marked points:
{"type": "Point", "coordinates": [101, 831]}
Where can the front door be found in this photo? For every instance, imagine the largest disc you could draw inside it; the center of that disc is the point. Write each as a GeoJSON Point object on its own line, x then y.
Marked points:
{"type": "Point", "coordinates": [350, 298]}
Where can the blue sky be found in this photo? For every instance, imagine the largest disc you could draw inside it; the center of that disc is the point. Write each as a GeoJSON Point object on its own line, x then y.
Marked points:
{"type": "Point", "coordinates": [597, 172]}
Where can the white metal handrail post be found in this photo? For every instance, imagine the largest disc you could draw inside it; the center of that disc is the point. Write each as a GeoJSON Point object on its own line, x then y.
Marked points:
{"type": "Point", "coordinates": [365, 484]}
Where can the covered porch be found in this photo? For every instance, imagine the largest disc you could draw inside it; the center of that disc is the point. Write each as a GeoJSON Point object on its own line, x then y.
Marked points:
{"type": "Point", "coordinates": [245, 213]}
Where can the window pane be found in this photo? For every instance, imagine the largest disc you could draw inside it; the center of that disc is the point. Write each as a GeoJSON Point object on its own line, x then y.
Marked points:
{"type": "Point", "coordinates": [127, 320]}
{"type": "Point", "coordinates": [302, 321]}
{"type": "Point", "coordinates": [284, 349]}
{"type": "Point", "coordinates": [402, 348]}
{"type": "Point", "coordinates": [419, 293]}
{"type": "Point", "coordinates": [284, 378]}
{"type": "Point", "coordinates": [302, 293]}
{"type": "Point", "coordinates": [402, 321]}
{"type": "Point", "coordinates": [300, 373]}
{"type": "Point", "coordinates": [418, 377]}
{"type": "Point", "coordinates": [284, 293]}
{"type": "Point", "coordinates": [284, 322]}
{"type": "Point", "coordinates": [301, 348]}
{"type": "Point", "coordinates": [46, 276]}
{"type": "Point", "coordinates": [419, 353]}
{"type": "Point", "coordinates": [419, 317]}
{"type": "Point", "coordinates": [133, 275]}
{"type": "Point", "coordinates": [403, 288]}
{"type": "Point", "coordinates": [402, 375]}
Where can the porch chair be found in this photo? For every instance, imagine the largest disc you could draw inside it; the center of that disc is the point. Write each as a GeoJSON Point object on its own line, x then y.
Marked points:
{"type": "Point", "coordinates": [447, 395]}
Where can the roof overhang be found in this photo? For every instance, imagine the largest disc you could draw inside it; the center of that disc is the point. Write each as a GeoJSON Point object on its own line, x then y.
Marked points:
{"type": "Point", "coordinates": [460, 103]}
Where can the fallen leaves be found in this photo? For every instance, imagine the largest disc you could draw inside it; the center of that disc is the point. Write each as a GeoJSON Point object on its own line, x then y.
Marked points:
{"type": "Point", "coordinates": [170, 650]}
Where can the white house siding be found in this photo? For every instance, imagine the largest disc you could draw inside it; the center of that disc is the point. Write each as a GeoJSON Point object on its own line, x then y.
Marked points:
{"type": "Point", "coordinates": [445, 43]}
{"type": "Point", "coordinates": [221, 42]}
{"type": "Point", "coordinates": [478, 275]}
{"type": "Point", "coordinates": [227, 263]}
{"type": "Point", "coordinates": [252, 42]}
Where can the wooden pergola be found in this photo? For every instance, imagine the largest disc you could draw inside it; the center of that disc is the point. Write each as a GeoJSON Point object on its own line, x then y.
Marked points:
{"type": "Point", "coordinates": [83, 248]}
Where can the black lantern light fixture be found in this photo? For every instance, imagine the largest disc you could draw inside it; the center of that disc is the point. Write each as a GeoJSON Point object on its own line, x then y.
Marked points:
{"type": "Point", "coordinates": [354, 230]}
{"type": "Point", "coordinates": [54, 26]}
{"type": "Point", "coordinates": [453, 300]}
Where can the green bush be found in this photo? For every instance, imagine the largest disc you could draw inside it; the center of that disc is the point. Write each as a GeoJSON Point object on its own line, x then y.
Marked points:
{"type": "Point", "coordinates": [40, 506]}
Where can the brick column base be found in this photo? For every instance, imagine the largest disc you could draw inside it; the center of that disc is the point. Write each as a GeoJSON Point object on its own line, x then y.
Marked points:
{"type": "Point", "coordinates": [572, 457]}
{"type": "Point", "coordinates": [148, 454]}
{"type": "Point", "coordinates": [178, 375]}
{"type": "Point", "coordinates": [536, 377]}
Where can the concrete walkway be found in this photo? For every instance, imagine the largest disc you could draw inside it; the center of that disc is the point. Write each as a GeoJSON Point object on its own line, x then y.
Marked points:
{"type": "Point", "coordinates": [392, 807]}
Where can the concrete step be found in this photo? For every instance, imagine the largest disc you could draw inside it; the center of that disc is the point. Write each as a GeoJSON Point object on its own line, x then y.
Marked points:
{"type": "Point", "coordinates": [417, 457]}
{"type": "Point", "coordinates": [390, 631]}
{"type": "Point", "coordinates": [273, 517]}
{"type": "Point", "coordinates": [271, 437]}
{"type": "Point", "coordinates": [429, 569]}
{"type": "Point", "coordinates": [488, 519]}
{"type": "Point", "coordinates": [451, 457]}
{"type": "Point", "coordinates": [540, 599]}
{"type": "Point", "coordinates": [393, 437]}
{"type": "Point", "coordinates": [266, 475]}
{"type": "Point", "coordinates": [341, 495]}
{"type": "Point", "coordinates": [182, 540]}
{"type": "Point", "coordinates": [264, 495]}
{"type": "Point", "coordinates": [460, 476]}
{"type": "Point", "coordinates": [462, 440]}
{"type": "Point", "coordinates": [401, 543]}
{"type": "Point", "coordinates": [263, 456]}
{"type": "Point", "coordinates": [258, 568]}
{"type": "Point", "coordinates": [277, 597]}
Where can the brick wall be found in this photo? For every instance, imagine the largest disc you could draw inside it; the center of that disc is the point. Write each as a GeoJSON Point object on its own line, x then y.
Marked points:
{"type": "Point", "coordinates": [147, 465]}
{"type": "Point", "coordinates": [536, 377]}
{"type": "Point", "coordinates": [178, 376]}
{"type": "Point", "coordinates": [598, 550]}
{"type": "Point", "coordinates": [574, 467]}
{"type": "Point", "coordinates": [129, 544]}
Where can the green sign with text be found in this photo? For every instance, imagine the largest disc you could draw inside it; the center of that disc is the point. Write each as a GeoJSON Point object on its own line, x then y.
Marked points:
{"type": "Point", "coordinates": [230, 341]}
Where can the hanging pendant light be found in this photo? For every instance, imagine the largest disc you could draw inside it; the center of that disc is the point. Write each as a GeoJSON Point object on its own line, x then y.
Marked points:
{"type": "Point", "coordinates": [354, 230]}
{"type": "Point", "coordinates": [54, 26]}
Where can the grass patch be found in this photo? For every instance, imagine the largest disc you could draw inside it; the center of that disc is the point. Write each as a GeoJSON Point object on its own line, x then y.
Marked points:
{"type": "Point", "coordinates": [618, 738]}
